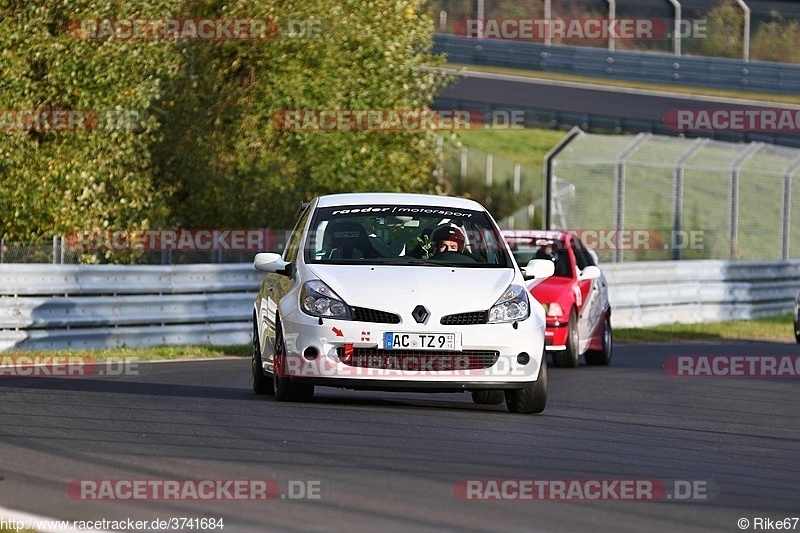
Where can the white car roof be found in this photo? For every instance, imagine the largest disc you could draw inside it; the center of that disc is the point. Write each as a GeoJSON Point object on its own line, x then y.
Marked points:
{"type": "Point", "coordinates": [384, 198]}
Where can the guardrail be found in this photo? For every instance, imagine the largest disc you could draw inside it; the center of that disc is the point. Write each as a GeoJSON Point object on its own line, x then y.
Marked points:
{"type": "Point", "coordinates": [663, 292]}
{"type": "Point", "coordinates": [720, 73]}
{"type": "Point", "coordinates": [82, 307]}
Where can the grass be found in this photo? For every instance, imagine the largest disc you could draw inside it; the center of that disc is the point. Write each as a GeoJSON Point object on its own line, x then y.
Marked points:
{"type": "Point", "coordinates": [154, 353]}
{"type": "Point", "coordinates": [676, 89]}
{"type": "Point", "coordinates": [776, 328]}
{"type": "Point", "coordinates": [524, 146]}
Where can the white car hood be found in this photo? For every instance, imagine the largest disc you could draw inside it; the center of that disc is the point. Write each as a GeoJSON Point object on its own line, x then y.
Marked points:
{"type": "Point", "coordinates": [399, 289]}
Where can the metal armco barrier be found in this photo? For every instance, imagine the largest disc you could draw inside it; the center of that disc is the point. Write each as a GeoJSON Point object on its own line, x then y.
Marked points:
{"type": "Point", "coordinates": [82, 307]}
{"type": "Point", "coordinates": [663, 292]}
{"type": "Point", "coordinates": [721, 73]}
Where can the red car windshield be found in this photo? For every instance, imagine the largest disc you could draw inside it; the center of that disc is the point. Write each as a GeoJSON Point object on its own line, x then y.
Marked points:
{"type": "Point", "coordinates": [552, 250]}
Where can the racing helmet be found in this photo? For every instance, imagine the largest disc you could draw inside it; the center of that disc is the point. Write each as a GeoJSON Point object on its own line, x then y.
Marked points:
{"type": "Point", "coordinates": [449, 233]}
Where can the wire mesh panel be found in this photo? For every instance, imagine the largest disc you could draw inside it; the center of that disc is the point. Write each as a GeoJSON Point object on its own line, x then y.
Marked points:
{"type": "Point", "coordinates": [658, 197]}
{"type": "Point", "coordinates": [649, 210]}
{"type": "Point", "coordinates": [761, 205]}
{"type": "Point", "coordinates": [794, 228]}
{"type": "Point", "coordinates": [707, 196]}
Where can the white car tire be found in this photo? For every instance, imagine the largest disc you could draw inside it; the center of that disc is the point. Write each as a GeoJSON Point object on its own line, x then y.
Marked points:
{"type": "Point", "coordinates": [488, 397]}
{"type": "Point", "coordinates": [261, 382]}
{"type": "Point", "coordinates": [532, 398]}
{"type": "Point", "coordinates": [286, 390]}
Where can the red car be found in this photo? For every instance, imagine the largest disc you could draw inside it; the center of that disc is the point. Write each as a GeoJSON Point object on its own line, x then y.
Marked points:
{"type": "Point", "coordinates": [575, 298]}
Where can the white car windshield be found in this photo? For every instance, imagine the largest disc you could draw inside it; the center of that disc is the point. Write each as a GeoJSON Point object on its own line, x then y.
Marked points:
{"type": "Point", "coordinates": [405, 235]}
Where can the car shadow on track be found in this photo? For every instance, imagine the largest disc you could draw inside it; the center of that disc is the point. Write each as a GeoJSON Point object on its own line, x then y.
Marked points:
{"type": "Point", "coordinates": [127, 387]}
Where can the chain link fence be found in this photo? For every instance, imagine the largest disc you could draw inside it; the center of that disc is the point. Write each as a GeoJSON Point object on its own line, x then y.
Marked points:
{"type": "Point", "coordinates": [510, 190]}
{"type": "Point", "coordinates": [679, 198]}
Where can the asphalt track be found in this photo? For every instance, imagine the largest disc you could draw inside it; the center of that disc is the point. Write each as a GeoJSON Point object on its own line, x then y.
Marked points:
{"type": "Point", "coordinates": [516, 92]}
{"type": "Point", "coordinates": [389, 461]}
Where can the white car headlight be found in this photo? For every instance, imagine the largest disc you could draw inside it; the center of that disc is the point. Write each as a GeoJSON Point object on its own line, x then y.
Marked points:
{"type": "Point", "coordinates": [511, 307]}
{"type": "Point", "coordinates": [317, 299]}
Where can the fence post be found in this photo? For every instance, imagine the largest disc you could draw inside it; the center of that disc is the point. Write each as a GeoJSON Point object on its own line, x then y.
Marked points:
{"type": "Point", "coordinates": [612, 14]}
{"type": "Point", "coordinates": [464, 154]}
{"type": "Point", "coordinates": [619, 187]}
{"type": "Point", "coordinates": [548, 13]}
{"type": "Point", "coordinates": [55, 249]}
{"type": "Point", "coordinates": [517, 177]}
{"type": "Point", "coordinates": [677, 218]}
{"type": "Point", "coordinates": [787, 207]}
{"type": "Point", "coordinates": [480, 17]}
{"type": "Point", "coordinates": [440, 158]}
{"type": "Point", "coordinates": [2, 248]}
{"type": "Point", "coordinates": [61, 239]}
{"type": "Point", "coordinates": [443, 21]}
{"type": "Point", "coordinates": [676, 30]}
{"type": "Point", "coordinates": [489, 167]}
{"type": "Point", "coordinates": [745, 31]}
{"type": "Point", "coordinates": [549, 163]}
{"type": "Point", "coordinates": [734, 238]}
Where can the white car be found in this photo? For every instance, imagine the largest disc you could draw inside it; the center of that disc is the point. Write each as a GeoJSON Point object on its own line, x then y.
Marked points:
{"type": "Point", "coordinates": [409, 292]}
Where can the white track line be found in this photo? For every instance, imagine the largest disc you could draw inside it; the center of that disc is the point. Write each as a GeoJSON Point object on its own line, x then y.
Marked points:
{"type": "Point", "coordinates": [32, 521]}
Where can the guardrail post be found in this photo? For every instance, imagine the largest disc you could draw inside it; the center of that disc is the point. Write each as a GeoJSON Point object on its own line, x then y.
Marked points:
{"type": "Point", "coordinates": [677, 220]}
{"type": "Point", "coordinates": [619, 187]}
{"type": "Point", "coordinates": [549, 158]}
{"type": "Point", "coordinates": [787, 207]}
{"type": "Point", "coordinates": [751, 151]}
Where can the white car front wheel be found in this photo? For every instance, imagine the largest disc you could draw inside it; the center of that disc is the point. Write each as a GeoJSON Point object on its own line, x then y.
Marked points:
{"type": "Point", "coordinates": [533, 397]}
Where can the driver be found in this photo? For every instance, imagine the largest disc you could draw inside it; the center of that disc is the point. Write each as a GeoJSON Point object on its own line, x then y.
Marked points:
{"type": "Point", "coordinates": [447, 239]}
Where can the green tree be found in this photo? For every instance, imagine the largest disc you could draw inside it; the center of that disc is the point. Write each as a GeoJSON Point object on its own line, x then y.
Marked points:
{"type": "Point", "coordinates": [54, 181]}
{"type": "Point", "coordinates": [204, 150]}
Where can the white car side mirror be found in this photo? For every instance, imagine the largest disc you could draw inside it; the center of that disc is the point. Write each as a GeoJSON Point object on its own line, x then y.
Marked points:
{"type": "Point", "coordinates": [590, 272]}
{"type": "Point", "coordinates": [270, 262]}
{"type": "Point", "coordinates": [538, 269]}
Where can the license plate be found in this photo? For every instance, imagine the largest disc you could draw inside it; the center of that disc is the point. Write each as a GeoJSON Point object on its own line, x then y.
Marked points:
{"type": "Point", "coordinates": [421, 341]}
